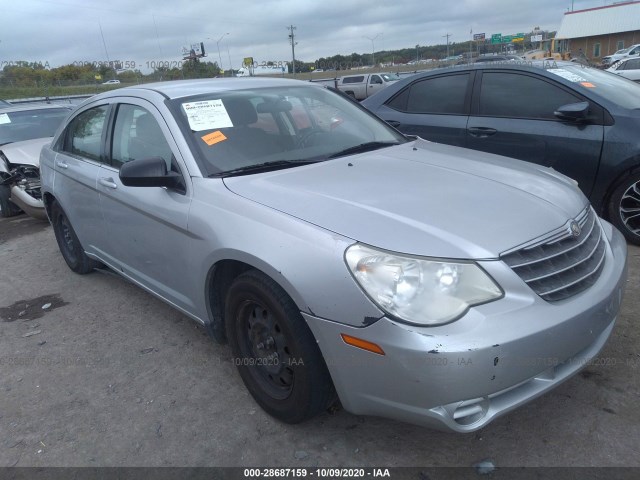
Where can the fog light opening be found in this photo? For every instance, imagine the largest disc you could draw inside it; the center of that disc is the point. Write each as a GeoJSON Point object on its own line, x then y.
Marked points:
{"type": "Point", "coordinates": [471, 411]}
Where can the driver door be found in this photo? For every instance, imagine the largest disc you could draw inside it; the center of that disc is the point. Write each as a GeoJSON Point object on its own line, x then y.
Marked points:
{"type": "Point", "coordinates": [146, 227]}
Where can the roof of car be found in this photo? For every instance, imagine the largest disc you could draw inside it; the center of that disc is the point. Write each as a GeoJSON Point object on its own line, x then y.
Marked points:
{"type": "Point", "coordinates": [527, 65]}
{"type": "Point", "coordinates": [186, 88]}
{"type": "Point", "coordinates": [34, 106]}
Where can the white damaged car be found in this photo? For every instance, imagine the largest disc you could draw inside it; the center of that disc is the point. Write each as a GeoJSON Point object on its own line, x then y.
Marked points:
{"type": "Point", "coordinates": [24, 130]}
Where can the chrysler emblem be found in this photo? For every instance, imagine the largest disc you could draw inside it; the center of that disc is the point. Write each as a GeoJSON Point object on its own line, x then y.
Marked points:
{"type": "Point", "coordinates": [574, 228]}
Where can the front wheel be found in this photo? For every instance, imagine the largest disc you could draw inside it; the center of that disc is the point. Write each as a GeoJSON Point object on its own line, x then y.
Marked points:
{"type": "Point", "coordinates": [7, 207]}
{"type": "Point", "coordinates": [624, 208]}
{"type": "Point", "coordinates": [68, 242]}
{"type": "Point", "coordinates": [274, 350]}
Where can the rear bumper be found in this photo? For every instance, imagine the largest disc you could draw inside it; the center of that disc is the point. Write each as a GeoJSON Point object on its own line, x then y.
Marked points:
{"type": "Point", "coordinates": [458, 377]}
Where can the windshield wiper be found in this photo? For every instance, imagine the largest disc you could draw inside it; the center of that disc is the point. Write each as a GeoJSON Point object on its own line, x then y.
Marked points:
{"type": "Point", "coordinates": [363, 147]}
{"type": "Point", "coordinates": [262, 167]}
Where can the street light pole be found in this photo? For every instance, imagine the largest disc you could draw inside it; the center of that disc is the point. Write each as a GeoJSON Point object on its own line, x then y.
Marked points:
{"type": "Point", "coordinates": [218, 45]}
{"type": "Point", "coordinates": [373, 49]}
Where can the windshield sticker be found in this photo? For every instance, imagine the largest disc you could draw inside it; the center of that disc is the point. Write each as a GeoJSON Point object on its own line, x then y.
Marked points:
{"type": "Point", "coordinates": [4, 118]}
{"type": "Point", "coordinates": [207, 115]}
{"type": "Point", "coordinates": [572, 77]}
{"type": "Point", "coordinates": [587, 84]}
{"type": "Point", "coordinates": [214, 137]}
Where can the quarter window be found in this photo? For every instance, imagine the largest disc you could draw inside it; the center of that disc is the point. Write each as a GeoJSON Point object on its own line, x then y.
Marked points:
{"type": "Point", "coordinates": [438, 95]}
{"type": "Point", "coordinates": [84, 134]}
{"type": "Point", "coordinates": [138, 135]}
{"type": "Point", "coordinates": [521, 96]}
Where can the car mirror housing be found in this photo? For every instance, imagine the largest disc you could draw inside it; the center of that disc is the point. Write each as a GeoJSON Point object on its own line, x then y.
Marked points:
{"type": "Point", "coordinates": [574, 112]}
{"type": "Point", "coordinates": [149, 172]}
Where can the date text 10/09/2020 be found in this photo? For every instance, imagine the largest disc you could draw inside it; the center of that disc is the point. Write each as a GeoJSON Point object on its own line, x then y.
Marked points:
{"type": "Point", "coordinates": [317, 472]}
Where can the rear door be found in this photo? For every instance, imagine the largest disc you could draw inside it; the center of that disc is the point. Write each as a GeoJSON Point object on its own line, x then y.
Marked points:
{"type": "Point", "coordinates": [77, 163]}
{"type": "Point", "coordinates": [513, 115]}
{"type": "Point", "coordinates": [435, 108]}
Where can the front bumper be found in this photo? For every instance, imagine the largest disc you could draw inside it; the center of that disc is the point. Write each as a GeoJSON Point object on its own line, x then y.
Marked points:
{"type": "Point", "coordinates": [29, 205]}
{"type": "Point", "coordinates": [460, 376]}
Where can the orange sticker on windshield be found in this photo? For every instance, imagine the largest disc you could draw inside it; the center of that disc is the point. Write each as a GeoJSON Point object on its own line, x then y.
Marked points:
{"type": "Point", "coordinates": [214, 137]}
{"type": "Point", "coordinates": [587, 84]}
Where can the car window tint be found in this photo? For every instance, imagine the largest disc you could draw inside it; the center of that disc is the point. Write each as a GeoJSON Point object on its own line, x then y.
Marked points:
{"type": "Point", "coordinates": [85, 133]}
{"type": "Point", "coordinates": [633, 64]}
{"type": "Point", "coordinates": [442, 95]}
{"type": "Point", "coordinates": [521, 96]}
{"type": "Point", "coordinates": [137, 135]}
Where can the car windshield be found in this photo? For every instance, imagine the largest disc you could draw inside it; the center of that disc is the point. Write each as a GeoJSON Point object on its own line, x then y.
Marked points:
{"type": "Point", "coordinates": [30, 124]}
{"type": "Point", "coordinates": [623, 51]}
{"type": "Point", "coordinates": [607, 85]}
{"type": "Point", "coordinates": [390, 77]}
{"type": "Point", "coordinates": [245, 130]}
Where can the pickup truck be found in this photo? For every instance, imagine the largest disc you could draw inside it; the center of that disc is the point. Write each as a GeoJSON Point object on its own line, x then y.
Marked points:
{"type": "Point", "coordinates": [363, 85]}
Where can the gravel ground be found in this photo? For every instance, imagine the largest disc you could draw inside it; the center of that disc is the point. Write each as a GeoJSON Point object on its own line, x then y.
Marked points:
{"type": "Point", "coordinates": [96, 372]}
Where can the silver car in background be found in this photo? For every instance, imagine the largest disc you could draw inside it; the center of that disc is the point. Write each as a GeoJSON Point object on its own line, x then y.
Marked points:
{"type": "Point", "coordinates": [24, 129]}
{"type": "Point", "coordinates": [340, 259]}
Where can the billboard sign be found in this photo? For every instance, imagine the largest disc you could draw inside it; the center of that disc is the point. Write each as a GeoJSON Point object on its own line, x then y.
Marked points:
{"type": "Point", "coordinates": [478, 37]}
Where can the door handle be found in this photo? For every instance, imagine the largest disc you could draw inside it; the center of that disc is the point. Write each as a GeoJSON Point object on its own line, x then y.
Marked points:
{"type": "Point", "coordinates": [393, 123]}
{"type": "Point", "coordinates": [482, 132]}
{"type": "Point", "coordinates": [108, 182]}
{"type": "Point", "coordinates": [61, 164]}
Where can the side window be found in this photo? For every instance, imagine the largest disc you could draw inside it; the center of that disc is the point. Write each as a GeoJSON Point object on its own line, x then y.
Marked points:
{"type": "Point", "coordinates": [375, 79]}
{"type": "Point", "coordinates": [633, 64]}
{"type": "Point", "coordinates": [84, 134]}
{"type": "Point", "coordinates": [137, 135]}
{"type": "Point", "coordinates": [503, 95]}
{"type": "Point", "coordinates": [438, 95]}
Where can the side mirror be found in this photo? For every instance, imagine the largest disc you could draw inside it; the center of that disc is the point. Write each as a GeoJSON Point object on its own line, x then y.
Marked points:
{"type": "Point", "coordinates": [149, 172]}
{"type": "Point", "coordinates": [573, 112]}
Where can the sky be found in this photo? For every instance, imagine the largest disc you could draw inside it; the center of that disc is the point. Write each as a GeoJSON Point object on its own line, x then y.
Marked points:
{"type": "Point", "coordinates": [145, 32]}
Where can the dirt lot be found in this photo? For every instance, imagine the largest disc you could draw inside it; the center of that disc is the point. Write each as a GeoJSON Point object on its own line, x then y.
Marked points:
{"type": "Point", "coordinates": [106, 375]}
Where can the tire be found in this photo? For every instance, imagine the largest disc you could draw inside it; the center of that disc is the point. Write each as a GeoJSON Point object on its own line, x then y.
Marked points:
{"type": "Point", "coordinates": [274, 350]}
{"type": "Point", "coordinates": [7, 207]}
{"type": "Point", "coordinates": [624, 208]}
{"type": "Point", "coordinates": [68, 242]}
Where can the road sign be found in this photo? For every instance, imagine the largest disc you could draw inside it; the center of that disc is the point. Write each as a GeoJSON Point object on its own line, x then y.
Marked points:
{"type": "Point", "coordinates": [496, 38]}
{"type": "Point", "coordinates": [507, 39]}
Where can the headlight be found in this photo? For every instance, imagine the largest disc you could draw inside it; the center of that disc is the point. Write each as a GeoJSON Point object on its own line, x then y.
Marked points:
{"type": "Point", "coordinates": [418, 290]}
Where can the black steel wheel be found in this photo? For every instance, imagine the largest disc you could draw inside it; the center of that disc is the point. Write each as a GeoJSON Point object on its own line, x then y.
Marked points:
{"type": "Point", "coordinates": [68, 242]}
{"type": "Point", "coordinates": [624, 208]}
{"type": "Point", "coordinates": [274, 350]}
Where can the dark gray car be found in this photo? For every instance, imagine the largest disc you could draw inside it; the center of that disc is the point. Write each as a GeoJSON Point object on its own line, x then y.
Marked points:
{"type": "Point", "coordinates": [581, 121]}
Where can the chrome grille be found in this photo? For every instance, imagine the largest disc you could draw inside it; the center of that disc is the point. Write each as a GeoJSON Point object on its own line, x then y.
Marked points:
{"type": "Point", "coordinates": [562, 265]}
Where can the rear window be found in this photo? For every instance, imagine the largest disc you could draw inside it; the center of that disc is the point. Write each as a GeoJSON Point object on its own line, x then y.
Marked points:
{"type": "Point", "coordinates": [358, 79]}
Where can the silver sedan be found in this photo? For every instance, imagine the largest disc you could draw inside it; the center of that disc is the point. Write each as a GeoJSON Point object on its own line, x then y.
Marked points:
{"type": "Point", "coordinates": [340, 259]}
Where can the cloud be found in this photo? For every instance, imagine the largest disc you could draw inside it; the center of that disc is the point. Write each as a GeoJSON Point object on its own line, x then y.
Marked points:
{"type": "Point", "coordinates": [67, 31]}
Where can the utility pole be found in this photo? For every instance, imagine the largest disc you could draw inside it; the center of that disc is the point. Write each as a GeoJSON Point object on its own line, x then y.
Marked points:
{"type": "Point", "coordinates": [447, 36]}
{"type": "Point", "coordinates": [373, 48]}
{"type": "Point", "coordinates": [292, 40]}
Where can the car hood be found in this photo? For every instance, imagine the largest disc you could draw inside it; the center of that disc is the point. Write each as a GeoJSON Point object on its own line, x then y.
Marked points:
{"type": "Point", "coordinates": [26, 152]}
{"type": "Point", "coordinates": [422, 198]}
